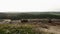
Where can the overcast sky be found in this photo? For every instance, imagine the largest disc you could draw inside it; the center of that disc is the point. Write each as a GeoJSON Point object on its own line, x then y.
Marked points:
{"type": "Point", "coordinates": [29, 5]}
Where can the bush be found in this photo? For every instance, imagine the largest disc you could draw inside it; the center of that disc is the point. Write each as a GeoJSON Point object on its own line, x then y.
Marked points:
{"type": "Point", "coordinates": [18, 29]}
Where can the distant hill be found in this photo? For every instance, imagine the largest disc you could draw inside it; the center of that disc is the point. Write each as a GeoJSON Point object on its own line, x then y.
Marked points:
{"type": "Point", "coordinates": [58, 13]}
{"type": "Point", "coordinates": [30, 15]}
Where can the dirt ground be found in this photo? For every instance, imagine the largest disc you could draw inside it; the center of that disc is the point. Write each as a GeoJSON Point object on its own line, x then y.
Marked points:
{"type": "Point", "coordinates": [49, 27]}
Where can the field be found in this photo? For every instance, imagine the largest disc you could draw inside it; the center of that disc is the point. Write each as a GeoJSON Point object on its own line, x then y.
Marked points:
{"type": "Point", "coordinates": [29, 28]}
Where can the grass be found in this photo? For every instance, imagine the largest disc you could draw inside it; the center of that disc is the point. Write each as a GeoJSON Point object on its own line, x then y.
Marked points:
{"type": "Point", "coordinates": [19, 29]}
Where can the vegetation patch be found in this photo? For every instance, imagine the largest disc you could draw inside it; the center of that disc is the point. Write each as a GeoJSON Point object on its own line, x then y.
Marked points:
{"type": "Point", "coordinates": [19, 29]}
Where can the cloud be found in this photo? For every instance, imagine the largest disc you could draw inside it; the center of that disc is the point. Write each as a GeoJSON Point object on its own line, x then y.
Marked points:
{"type": "Point", "coordinates": [29, 5]}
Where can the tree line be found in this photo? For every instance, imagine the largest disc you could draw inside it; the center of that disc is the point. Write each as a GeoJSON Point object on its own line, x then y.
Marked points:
{"type": "Point", "coordinates": [28, 16]}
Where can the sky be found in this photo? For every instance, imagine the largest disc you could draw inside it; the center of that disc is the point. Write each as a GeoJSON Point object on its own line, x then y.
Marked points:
{"type": "Point", "coordinates": [29, 5]}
